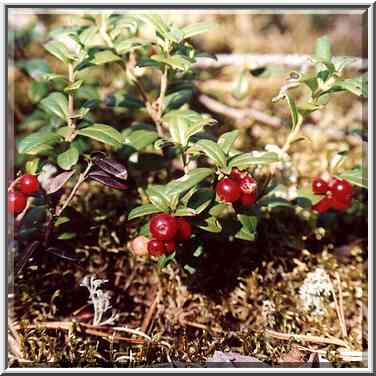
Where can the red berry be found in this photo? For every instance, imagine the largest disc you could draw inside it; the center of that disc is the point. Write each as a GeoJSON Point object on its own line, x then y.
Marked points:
{"type": "Point", "coordinates": [16, 202]}
{"type": "Point", "coordinates": [236, 174]}
{"type": "Point", "coordinates": [156, 247]}
{"type": "Point", "coordinates": [28, 184]}
{"type": "Point", "coordinates": [163, 226]}
{"type": "Point", "coordinates": [319, 186]}
{"type": "Point", "coordinates": [170, 246]}
{"type": "Point", "coordinates": [341, 190]}
{"type": "Point", "coordinates": [228, 190]}
{"type": "Point", "coordinates": [247, 199]}
{"type": "Point", "coordinates": [323, 205]}
{"type": "Point", "coordinates": [248, 184]}
{"type": "Point", "coordinates": [184, 229]}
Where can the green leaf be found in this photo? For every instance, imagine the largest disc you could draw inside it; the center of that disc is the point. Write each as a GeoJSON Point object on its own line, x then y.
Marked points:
{"type": "Point", "coordinates": [103, 133]}
{"type": "Point", "coordinates": [36, 68]}
{"type": "Point", "coordinates": [142, 210]}
{"type": "Point", "coordinates": [87, 35]}
{"type": "Point", "coordinates": [306, 198]}
{"type": "Point", "coordinates": [177, 99]}
{"type": "Point", "coordinates": [189, 180]}
{"type": "Point", "coordinates": [32, 166]}
{"type": "Point", "coordinates": [338, 160]}
{"type": "Point", "coordinates": [73, 86]}
{"type": "Point", "coordinates": [178, 62]}
{"type": "Point", "coordinates": [130, 44]}
{"type": "Point", "coordinates": [244, 160]}
{"type": "Point", "coordinates": [248, 230]}
{"type": "Point", "coordinates": [59, 50]}
{"type": "Point", "coordinates": [210, 224]}
{"type": "Point", "coordinates": [61, 221]}
{"type": "Point", "coordinates": [36, 142]}
{"type": "Point", "coordinates": [140, 136]}
{"type": "Point", "coordinates": [67, 235]}
{"type": "Point", "coordinates": [323, 49]}
{"type": "Point", "coordinates": [198, 28]}
{"type": "Point", "coordinates": [200, 200]}
{"type": "Point", "coordinates": [37, 91]}
{"type": "Point", "coordinates": [356, 176]}
{"type": "Point", "coordinates": [212, 150]}
{"type": "Point", "coordinates": [158, 197]}
{"type": "Point", "coordinates": [341, 62]}
{"type": "Point", "coordinates": [240, 88]}
{"type": "Point", "coordinates": [104, 57]}
{"type": "Point", "coordinates": [357, 85]}
{"type": "Point", "coordinates": [185, 212]}
{"type": "Point", "coordinates": [218, 209]}
{"type": "Point", "coordinates": [295, 116]}
{"type": "Point", "coordinates": [185, 123]}
{"type": "Point", "coordinates": [164, 260]}
{"type": "Point", "coordinates": [57, 104]}
{"type": "Point", "coordinates": [159, 25]}
{"type": "Point", "coordinates": [226, 141]}
{"type": "Point", "coordinates": [68, 158]}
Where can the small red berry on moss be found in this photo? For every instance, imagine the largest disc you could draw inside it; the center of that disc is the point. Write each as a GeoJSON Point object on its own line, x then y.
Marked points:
{"type": "Point", "coordinates": [319, 186]}
{"type": "Point", "coordinates": [228, 190]}
{"type": "Point", "coordinates": [184, 229]}
{"type": "Point", "coordinates": [28, 184]}
{"type": "Point", "coordinates": [163, 226]}
{"type": "Point", "coordinates": [170, 246]}
{"type": "Point", "coordinates": [323, 205]}
{"type": "Point", "coordinates": [16, 202]}
{"type": "Point", "coordinates": [156, 247]}
{"type": "Point", "coordinates": [236, 174]}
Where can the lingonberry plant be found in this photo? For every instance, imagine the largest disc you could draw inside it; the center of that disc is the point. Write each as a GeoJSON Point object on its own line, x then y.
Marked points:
{"type": "Point", "coordinates": [67, 146]}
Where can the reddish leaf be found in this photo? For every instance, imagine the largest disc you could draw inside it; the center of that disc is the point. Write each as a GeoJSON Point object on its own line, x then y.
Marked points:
{"type": "Point", "coordinates": [106, 179]}
{"type": "Point", "coordinates": [112, 167]}
{"type": "Point", "coordinates": [57, 182]}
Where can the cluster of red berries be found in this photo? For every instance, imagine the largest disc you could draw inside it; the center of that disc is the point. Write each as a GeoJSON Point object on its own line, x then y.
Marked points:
{"type": "Point", "coordinates": [239, 186]}
{"type": "Point", "coordinates": [337, 194]}
{"type": "Point", "coordinates": [26, 185]}
{"type": "Point", "coordinates": [166, 230]}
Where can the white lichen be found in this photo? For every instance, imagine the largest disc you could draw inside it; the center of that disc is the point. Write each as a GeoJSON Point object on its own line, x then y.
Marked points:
{"type": "Point", "coordinates": [315, 288]}
{"type": "Point", "coordinates": [100, 300]}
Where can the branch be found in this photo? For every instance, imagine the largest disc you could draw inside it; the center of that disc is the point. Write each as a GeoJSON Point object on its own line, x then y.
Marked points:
{"type": "Point", "coordinates": [261, 60]}
{"type": "Point", "coordinates": [305, 338]}
{"type": "Point", "coordinates": [80, 180]}
{"type": "Point", "coordinates": [238, 113]}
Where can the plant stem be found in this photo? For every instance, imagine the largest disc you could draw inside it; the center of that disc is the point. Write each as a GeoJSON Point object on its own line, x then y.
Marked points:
{"type": "Point", "coordinates": [80, 180]}
{"type": "Point", "coordinates": [71, 123]}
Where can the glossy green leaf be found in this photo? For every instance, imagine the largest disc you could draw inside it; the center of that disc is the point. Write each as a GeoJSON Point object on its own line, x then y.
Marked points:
{"type": "Point", "coordinates": [159, 25]}
{"type": "Point", "coordinates": [158, 197]}
{"type": "Point", "coordinates": [104, 57]}
{"type": "Point", "coordinates": [67, 236]}
{"type": "Point", "coordinates": [37, 91]}
{"type": "Point", "coordinates": [140, 136]}
{"type": "Point", "coordinates": [245, 160]}
{"type": "Point", "coordinates": [323, 49]}
{"type": "Point", "coordinates": [87, 36]}
{"type": "Point", "coordinates": [200, 200]}
{"type": "Point", "coordinates": [210, 224]}
{"type": "Point", "coordinates": [60, 51]}
{"type": "Point", "coordinates": [142, 210]}
{"type": "Point", "coordinates": [356, 176]}
{"type": "Point", "coordinates": [212, 150]}
{"type": "Point", "coordinates": [32, 166]}
{"type": "Point", "coordinates": [189, 180]}
{"type": "Point", "coordinates": [68, 158]}
{"type": "Point", "coordinates": [73, 86]}
{"type": "Point", "coordinates": [226, 141]}
{"type": "Point", "coordinates": [56, 104]}
{"type": "Point", "coordinates": [177, 99]}
{"type": "Point", "coordinates": [178, 62]}
{"type": "Point", "coordinates": [103, 133]}
{"type": "Point", "coordinates": [184, 123]}
{"type": "Point", "coordinates": [35, 142]}
{"type": "Point", "coordinates": [130, 44]}
{"type": "Point", "coordinates": [36, 68]}
{"type": "Point", "coordinates": [248, 229]}
{"type": "Point", "coordinates": [198, 28]}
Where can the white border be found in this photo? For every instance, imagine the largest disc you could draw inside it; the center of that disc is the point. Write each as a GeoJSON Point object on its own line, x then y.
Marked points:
{"type": "Point", "coordinates": [370, 194]}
